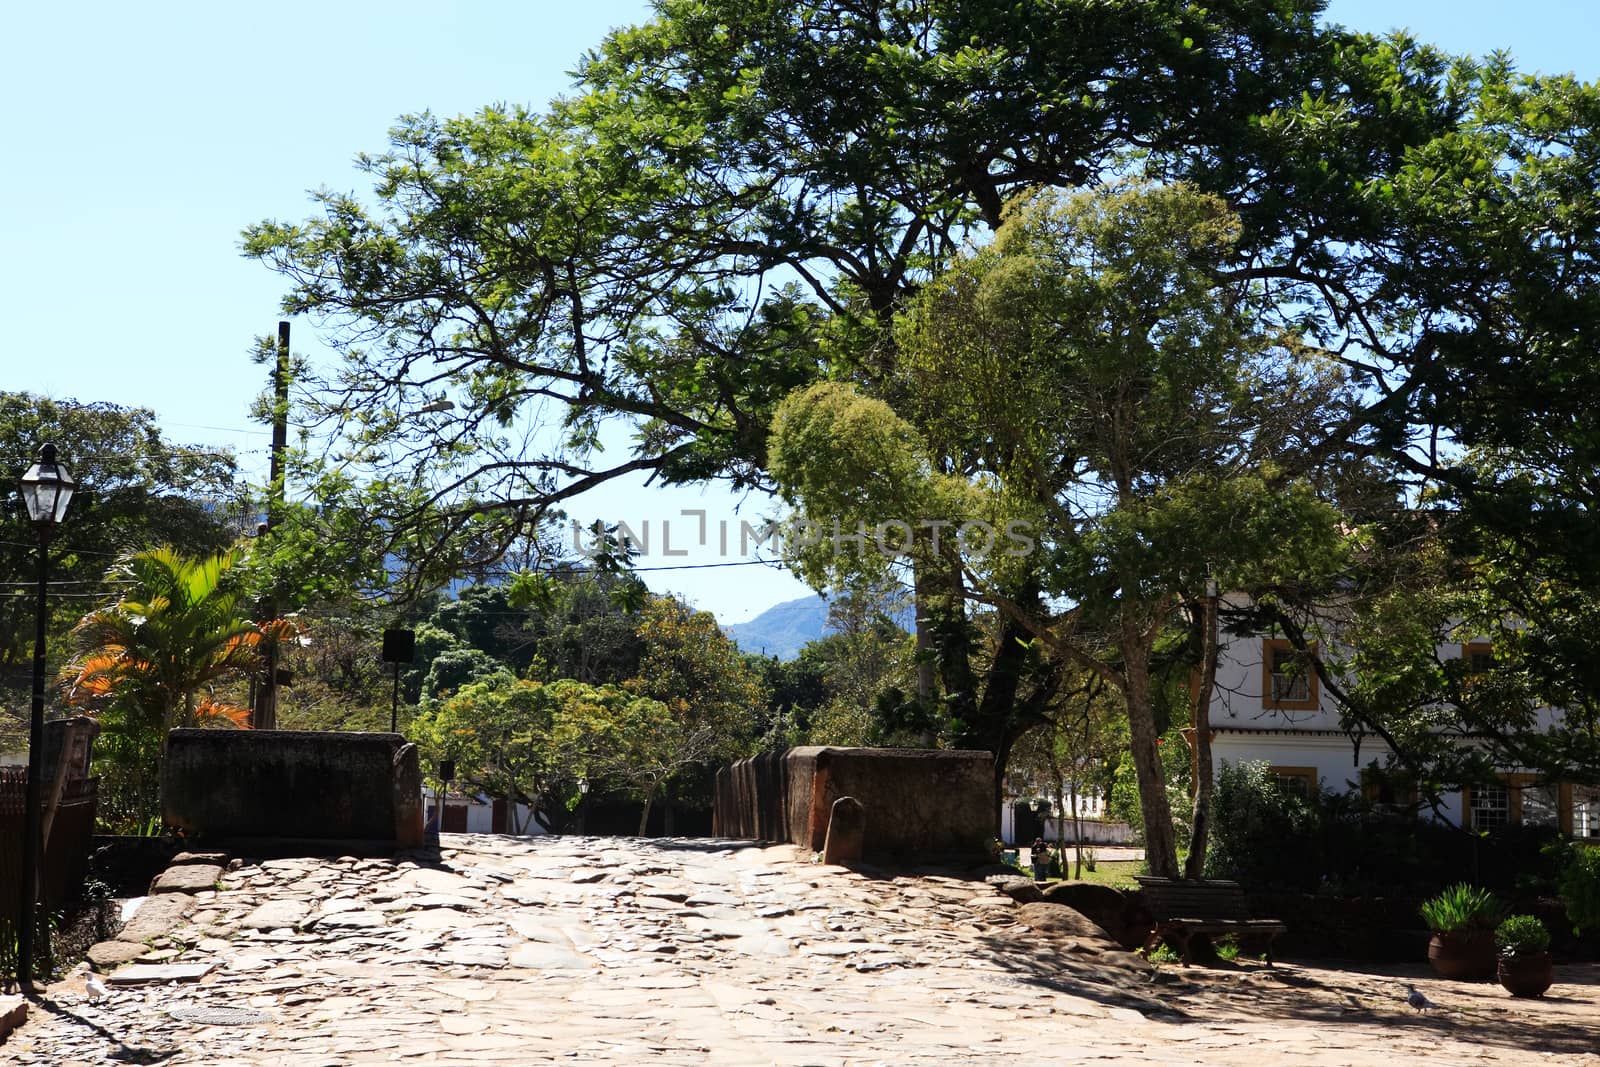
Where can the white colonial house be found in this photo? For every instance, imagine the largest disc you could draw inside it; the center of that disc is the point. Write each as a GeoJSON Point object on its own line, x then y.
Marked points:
{"type": "Point", "coordinates": [1266, 708]}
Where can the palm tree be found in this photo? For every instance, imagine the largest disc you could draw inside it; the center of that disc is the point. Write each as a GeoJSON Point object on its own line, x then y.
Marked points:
{"type": "Point", "coordinates": [177, 629]}
{"type": "Point", "coordinates": [149, 660]}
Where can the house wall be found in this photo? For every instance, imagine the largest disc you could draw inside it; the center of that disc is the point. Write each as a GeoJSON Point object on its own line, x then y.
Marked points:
{"type": "Point", "coordinates": [1095, 831]}
{"type": "Point", "coordinates": [1332, 757]}
{"type": "Point", "coordinates": [476, 816]}
{"type": "Point", "coordinates": [1248, 724]}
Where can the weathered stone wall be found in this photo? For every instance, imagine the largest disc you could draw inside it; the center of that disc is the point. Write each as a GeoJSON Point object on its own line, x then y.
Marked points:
{"type": "Point", "coordinates": [751, 799]}
{"type": "Point", "coordinates": [225, 784]}
{"type": "Point", "coordinates": [918, 802]}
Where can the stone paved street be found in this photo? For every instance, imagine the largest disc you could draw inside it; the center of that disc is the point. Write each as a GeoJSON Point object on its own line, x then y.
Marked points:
{"type": "Point", "coordinates": [589, 950]}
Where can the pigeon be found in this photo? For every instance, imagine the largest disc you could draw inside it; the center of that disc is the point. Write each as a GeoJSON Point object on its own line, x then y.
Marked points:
{"type": "Point", "coordinates": [1417, 1000]}
{"type": "Point", "coordinates": [97, 989]}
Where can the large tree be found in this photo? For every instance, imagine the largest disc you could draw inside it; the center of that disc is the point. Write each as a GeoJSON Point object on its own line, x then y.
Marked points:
{"type": "Point", "coordinates": [734, 198]}
{"type": "Point", "coordinates": [739, 194]}
{"type": "Point", "coordinates": [1084, 380]}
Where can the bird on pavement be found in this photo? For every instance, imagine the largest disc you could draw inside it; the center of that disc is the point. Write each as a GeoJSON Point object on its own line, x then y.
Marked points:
{"type": "Point", "coordinates": [97, 989]}
{"type": "Point", "coordinates": [1417, 1000]}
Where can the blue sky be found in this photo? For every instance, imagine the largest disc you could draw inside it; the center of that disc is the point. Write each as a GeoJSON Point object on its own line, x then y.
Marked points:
{"type": "Point", "coordinates": [140, 139]}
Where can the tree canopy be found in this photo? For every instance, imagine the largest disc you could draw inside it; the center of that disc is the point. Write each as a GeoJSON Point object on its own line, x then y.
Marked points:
{"type": "Point", "coordinates": [1387, 250]}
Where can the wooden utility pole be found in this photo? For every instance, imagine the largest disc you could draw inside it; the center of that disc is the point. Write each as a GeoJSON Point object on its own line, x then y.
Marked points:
{"type": "Point", "coordinates": [265, 712]}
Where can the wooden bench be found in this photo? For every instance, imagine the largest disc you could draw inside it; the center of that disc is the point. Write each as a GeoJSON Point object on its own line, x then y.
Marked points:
{"type": "Point", "coordinates": [1184, 908]}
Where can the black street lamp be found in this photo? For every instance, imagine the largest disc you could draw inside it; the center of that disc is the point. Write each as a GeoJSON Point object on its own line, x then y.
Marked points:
{"type": "Point", "coordinates": [46, 490]}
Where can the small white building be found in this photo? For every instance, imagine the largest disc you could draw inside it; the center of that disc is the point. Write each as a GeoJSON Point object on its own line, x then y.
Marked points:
{"type": "Point", "coordinates": [1093, 821]}
{"type": "Point", "coordinates": [1269, 707]}
{"type": "Point", "coordinates": [478, 815]}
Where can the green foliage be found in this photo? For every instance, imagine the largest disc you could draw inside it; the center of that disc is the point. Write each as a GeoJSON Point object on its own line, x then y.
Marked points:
{"type": "Point", "coordinates": [1176, 772]}
{"type": "Point", "coordinates": [1462, 907]}
{"type": "Point", "coordinates": [1167, 389]}
{"type": "Point", "coordinates": [1579, 887]}
{"type": "Point", "coordinates": [178, 626]}
{"type": "Point", "coordinates": [136, 490]}
{"type": "Point", "coordinates": [527, 742]}
{"type": "Point", "coordinates": [1521, 935]}
{"type": "Point", "coordinates": [154, 659]}
{"type": "Point", "coordinates": [855, 676]}
{"type": "Point", "coordinates": [1163, 953]}
{"type": "Point", "coordinates": [713, 692]}
{"type": "Point", "coordinates": [1262, 833]}
{"type": "Point", "coordinates": [456, 667]}
{"type": "Point", "coordinates": [689, 697]}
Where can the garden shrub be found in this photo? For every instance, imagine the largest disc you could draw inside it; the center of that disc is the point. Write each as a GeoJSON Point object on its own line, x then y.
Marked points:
{"type": "Point", "coordinates": [1334, 842]}
{"type": "Point", "coordinates": [1579, 887]}
{"type": "Point", "coordinates": [1261, 833]}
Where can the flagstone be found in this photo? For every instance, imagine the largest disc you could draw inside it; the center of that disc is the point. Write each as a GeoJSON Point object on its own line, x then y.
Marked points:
{"type": "Point", "coordinates": [276, 914]}
{"type": "Point", "coordinates": [189, 878]}
{"type": "Point", "coordinates": [161, 973]}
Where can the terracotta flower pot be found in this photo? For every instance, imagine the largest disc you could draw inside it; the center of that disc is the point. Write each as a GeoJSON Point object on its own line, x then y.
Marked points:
{"type": "Point", "coordinates": [1463, 955]}
{"type": "Point", "coordinates": [1526, 976]}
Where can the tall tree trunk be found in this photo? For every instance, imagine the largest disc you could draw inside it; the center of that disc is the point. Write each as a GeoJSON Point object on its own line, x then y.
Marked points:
{"type": "Point", "coordinates": [1195, 866]}
{"type": "Point", "coordinates": [1002, 756]}
{"type": "Point", "coordinates": [921, 580]}
{"type": "Point", "coordinates": [644, 816]}
{"type": "Point", "coordinates": [1160, 845]}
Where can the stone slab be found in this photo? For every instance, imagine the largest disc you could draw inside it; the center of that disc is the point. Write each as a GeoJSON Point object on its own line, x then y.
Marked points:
{"type": "Point", "coordinates": [217, 859]}
{"type": "Point", "coordinates": [187, 878]}
{"type": "Point", "coordinates": [276, 915]}
{"type": "Point", "coordinates": [13, 1013]}
{"type": "Point", "coordinates": [108, 954]}
{"type": "Point", "coordinates": [156, 916]}
{"type": "Point", "coordinates": [162, 973]}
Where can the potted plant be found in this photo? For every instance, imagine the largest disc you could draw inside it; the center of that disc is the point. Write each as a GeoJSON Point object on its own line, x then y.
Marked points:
{"type": "Point", "coordinates": [1463, 918]}
{"type": "Point", "coordinates": [1525, 968]}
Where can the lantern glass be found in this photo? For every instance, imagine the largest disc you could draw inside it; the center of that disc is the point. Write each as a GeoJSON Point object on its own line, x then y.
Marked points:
{"type": "Point", "coordinates": [47, 489]}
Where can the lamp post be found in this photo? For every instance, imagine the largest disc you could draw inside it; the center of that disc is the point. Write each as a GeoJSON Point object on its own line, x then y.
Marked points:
{"type": "Point", "coordinates": [583, 802]}
{"type": "Point", "coordinates": [46, 490]}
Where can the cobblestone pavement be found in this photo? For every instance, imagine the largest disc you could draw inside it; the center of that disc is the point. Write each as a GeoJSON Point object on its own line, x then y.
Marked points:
{"type": "Point", "coordinates": [587, 950]}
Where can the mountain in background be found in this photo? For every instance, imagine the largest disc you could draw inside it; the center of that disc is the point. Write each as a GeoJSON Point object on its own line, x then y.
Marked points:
{"type": "Point", "coordinates": [783, 629]}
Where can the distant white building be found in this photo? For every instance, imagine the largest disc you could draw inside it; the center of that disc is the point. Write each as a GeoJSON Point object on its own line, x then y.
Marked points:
{"type": "Point", "coordinates": [478, 815]}
{"type": "Point", "coordinates": [1267, 707]}
{"type": "Point", "coordinates": [1097, 828]}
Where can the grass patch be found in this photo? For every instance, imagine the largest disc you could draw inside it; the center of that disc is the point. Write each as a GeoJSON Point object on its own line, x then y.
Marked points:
{"type": "Point", "coordinates": [1115, 873]}
{"type": "Point", "coordinates": [1163, 954]}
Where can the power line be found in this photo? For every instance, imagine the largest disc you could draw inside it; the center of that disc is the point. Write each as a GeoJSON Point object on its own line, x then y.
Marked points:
{"type": "Point", "coordinates": [75, 551]}
{"type": "Point", "coordinates": [708, 566]}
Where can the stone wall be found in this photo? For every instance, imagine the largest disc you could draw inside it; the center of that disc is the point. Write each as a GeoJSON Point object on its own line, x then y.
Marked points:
{"type": "Point", "coordinates": [290, 784]}
{"type": "Point", "coordinates": [919, 802]}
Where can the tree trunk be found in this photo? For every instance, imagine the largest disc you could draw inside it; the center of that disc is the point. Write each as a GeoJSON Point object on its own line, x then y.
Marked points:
{"type": "Point", "coordinates": [1195, 866]}
{"type": "Point", "coordinates": [1160, 845]}
{"type": "Point", "coordinates": [920, 581]}
{"type": "Point", "coordinates": [1077, 830]}
{"type": "Point", "coordinates": [644, 816]}
{"type": "Point", "coordinates": [1002, 756]}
